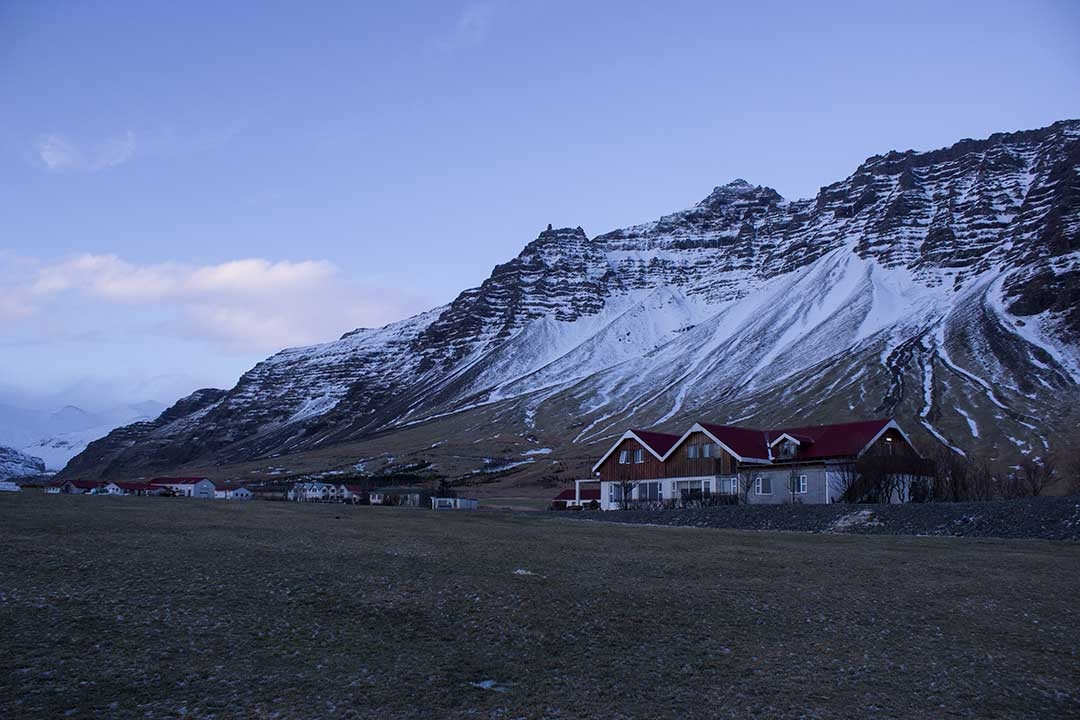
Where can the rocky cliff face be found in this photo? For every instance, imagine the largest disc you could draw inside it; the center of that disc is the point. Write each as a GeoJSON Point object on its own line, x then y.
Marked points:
{"type": "Point", "coordinates": [941, 287]}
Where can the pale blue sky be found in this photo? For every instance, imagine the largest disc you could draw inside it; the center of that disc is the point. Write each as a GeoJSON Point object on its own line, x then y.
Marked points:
{"type": "Point", "coordinates": [373, 159]}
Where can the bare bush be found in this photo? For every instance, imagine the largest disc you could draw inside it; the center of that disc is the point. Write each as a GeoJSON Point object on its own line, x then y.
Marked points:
{"type": "Point", "coordinates": [747, 481]}
{"type": "Point", "coordinates": [1036, 474]}
{"type": "Point", "coordinates": [843, 478]}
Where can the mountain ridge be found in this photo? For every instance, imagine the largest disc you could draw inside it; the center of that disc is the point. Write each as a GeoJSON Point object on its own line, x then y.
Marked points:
{"type": "Point", "coordinates": [945, 283]}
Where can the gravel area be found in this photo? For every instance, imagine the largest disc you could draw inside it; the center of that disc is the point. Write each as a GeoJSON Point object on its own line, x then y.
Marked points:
{"type": "Point", "coordinates": [1048, 518]}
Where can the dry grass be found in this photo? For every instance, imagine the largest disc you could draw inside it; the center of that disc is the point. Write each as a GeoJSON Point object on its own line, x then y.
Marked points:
{"type": "Point", "coordinates": [149, 607]}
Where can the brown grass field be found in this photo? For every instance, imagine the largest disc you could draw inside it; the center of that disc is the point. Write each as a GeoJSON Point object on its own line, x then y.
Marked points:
{"type": "Point", "coordinates": [163, 608]}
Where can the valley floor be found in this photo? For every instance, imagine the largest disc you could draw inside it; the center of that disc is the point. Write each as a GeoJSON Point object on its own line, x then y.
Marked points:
{"type": "Point", "coordinates": [155, 608]}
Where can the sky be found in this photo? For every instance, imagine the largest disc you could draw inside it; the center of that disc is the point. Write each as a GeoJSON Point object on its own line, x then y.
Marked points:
{"type": "Point", "coordinates": [186, 188]}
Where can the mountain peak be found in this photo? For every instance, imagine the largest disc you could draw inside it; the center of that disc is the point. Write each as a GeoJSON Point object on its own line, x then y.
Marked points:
{"type": "Point", "coordinates": [556, 233]}
{"type": "Point", "coordinates": [738, 190]}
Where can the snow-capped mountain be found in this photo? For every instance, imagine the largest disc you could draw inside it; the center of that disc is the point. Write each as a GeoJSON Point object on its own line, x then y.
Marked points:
{"type": "Point", "coordinates": [14, 464]}
{"type": "Point", "coordinates": [941, 287]}
{"type": "Point", "coordinates": [58, 435]}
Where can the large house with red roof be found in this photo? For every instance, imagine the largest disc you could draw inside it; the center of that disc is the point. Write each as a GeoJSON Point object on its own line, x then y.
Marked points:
{"type": "Point", "coordinates": [814, 464]}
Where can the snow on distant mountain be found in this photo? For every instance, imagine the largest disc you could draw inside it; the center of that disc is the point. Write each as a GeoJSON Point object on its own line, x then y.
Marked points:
{"type": "Point", "coordinates": [939, 287]}
{"type": "Point", "coordinates": [58, 435]}
{"type": "Point", "coordinates": [14, 464]}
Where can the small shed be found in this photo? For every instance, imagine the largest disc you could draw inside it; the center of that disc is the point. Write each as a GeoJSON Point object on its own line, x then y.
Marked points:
{"type": "Point", "coordinates": [453, 503]}
{"type": "Point", "coordinates": [233, 493]}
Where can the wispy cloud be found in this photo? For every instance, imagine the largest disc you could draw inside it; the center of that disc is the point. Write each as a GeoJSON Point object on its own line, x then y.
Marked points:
{"type": "Point", "coordinates": [60, 154]}
{"type": "Point", "coordinates": [472, 27]}
{"type": "Point", "coordinates": [242, 305]}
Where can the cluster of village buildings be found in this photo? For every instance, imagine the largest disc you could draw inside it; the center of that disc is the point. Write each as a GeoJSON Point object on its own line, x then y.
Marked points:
{"type": "Point", "coordinates": [314, 491]}
{"type": "Point", "coordinates": [410, 496]}
{"type": "Point", "coordinates": [197, 487]}
{"type": "Point", "coordinates": [817, 464]}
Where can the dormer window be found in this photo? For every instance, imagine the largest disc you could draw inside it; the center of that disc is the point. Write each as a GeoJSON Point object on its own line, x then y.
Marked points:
{"type": "Point", "coordinates": [786, 450]}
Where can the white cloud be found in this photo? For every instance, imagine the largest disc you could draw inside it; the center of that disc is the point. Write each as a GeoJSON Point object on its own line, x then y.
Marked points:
{"type": "Point", "coordinates": [474, 23]}
{"type": "Point", "coordinates": [248, 305]}
{"type": "Point", "coordinates": [472, 27]}
{"type": "Point", "coordinates": [59, 154]}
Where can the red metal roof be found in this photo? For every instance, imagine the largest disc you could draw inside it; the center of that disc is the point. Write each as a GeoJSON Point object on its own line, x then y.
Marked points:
{"type": "Point", "coordinates": [659, 442]}
{"type": "Point", "coordinates": [817, 441]}
{"type": "Point", "coordinates": [838, 440]}
{"type": "Point", "coordinates": [176, 480]}
{"type": "Point", "coordinates": [746, 443]}
{"type": "Point", "coordinates": [132, 485]}
{"type": "Point", "coordinates": [587, 494]}
{"type": "Point", "coordinates": [81, 484]}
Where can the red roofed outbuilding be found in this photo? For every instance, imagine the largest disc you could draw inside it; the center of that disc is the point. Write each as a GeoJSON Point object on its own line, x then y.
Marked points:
{"type": "Point", "coordinates": [581, 496]}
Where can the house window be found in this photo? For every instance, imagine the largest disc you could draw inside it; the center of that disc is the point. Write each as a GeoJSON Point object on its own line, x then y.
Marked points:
{"type": "Point", "coordinates": [615, 493]}
{"type": "Point", "coordinates": [692, 452]}
{"type": "Point", "coordinates": [734, 486]}
{"type": "Point", "coordinates": [639, 456]}
{"type": "Point", "coordinates": [650, 491]}
{"type": "Point", "coordinates": [799, 484]}
{"type": "Point", "coordinates": [764, 485]}
{"type": "Point", "coordinates": [624, 457]}
{"type": "Point", "coordinates": [707, 450]}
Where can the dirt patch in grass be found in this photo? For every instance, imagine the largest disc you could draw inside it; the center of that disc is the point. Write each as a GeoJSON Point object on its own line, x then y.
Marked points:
{"type": "Point", "coordinates": [157, 608]}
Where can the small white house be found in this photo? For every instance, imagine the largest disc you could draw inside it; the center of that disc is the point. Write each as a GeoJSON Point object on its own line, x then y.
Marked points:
{"type": "Point", "coordinates": [232, 493]}
{"type": "Point", "coordinates": [6, 486]}
{"type": "Point", "coordinates": [447, 503]}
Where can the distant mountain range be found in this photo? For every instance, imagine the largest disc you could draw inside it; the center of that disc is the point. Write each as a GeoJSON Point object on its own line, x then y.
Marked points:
{"type": "Point", "coordinates": [941, 288]}
{"type": "Point", "coordinates": [56, 436]}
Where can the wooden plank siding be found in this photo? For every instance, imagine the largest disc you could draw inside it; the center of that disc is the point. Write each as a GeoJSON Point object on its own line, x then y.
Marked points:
{"type": "Point", "coordinates": [679, 464]}
{"type": "Point", "coordinates": [892, 442]}
{"type": "Point", "coordinates": [649, 469]}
